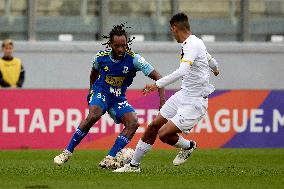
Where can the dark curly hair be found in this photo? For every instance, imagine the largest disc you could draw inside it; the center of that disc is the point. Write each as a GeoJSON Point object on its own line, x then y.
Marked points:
{"type": "Point", "coordinates": [118, 30]}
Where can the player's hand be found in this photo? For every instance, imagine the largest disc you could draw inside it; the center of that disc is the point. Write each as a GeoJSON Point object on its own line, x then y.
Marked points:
{"type": "Point", "coordinates": [162, 102]}
{"type": "Point", "coordinates": [91, 93]}
{"type": "Point", "coordinates": [216, 72]}
{"type": "Point", "coordinates": [149, 88]}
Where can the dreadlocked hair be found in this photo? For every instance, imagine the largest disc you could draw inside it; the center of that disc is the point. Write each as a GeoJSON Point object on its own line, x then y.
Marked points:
{"type": "Point", "coordinates": [118, 30]}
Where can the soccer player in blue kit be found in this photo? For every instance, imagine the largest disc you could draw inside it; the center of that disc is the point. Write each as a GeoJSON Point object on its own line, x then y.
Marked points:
{"type": "Point", "coordinates": [112, 73]}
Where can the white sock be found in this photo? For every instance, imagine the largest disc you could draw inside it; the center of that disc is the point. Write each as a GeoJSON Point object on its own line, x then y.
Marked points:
{"type": "Point", "coordinates": [141, 149]}
{"type": "Point", "coordinates": [182, 143]}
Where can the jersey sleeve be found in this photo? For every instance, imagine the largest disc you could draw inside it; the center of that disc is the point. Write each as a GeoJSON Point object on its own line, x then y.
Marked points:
{"type": "Point", "coordinates": [183, 69]}
{"type": "Point", "coordinates": [190, 52]}
{"type": "Point", "coordinates": [95, 64]}
{"type": "Point", "coordinates": [142, 65]}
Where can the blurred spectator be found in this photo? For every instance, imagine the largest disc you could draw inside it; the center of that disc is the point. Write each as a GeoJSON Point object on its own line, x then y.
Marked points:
{"type": "Point", "coordinates": [12, 73]}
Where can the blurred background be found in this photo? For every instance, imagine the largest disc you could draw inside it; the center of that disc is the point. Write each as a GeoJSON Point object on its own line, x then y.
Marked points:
{"type": "Point", "coordinates": [52, 35]}
{"type": "Point", "coordinates": [87, 20]}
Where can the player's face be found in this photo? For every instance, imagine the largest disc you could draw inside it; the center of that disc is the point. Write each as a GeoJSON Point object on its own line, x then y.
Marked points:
{"type": "Point", "coordinates": [118, 46]}
{"type": "Point", "coordinates": [175, 32]}
{"type": "Point", "coordinates": [7, 50]}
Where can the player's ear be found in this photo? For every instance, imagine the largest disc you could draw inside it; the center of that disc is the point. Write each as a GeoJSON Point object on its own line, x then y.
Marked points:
{"type": "Point", "coordinates": [174, 28]}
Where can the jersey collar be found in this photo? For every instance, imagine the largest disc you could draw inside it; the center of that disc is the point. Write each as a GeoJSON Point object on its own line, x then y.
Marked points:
{"type": "Point", "coordinates": [187, 39]}
{"type": "Point", "coordinates": [114, 60]}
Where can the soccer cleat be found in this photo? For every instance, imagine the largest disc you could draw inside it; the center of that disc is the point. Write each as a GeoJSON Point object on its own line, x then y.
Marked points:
{"type": "Point", "coordinates": [128, 168]}
{"type": "Point", "coordinates": [62, 158]}
{"type": "Point", "coordinates": [109, 162]}
{"type": "Point", "coordinates": [183, 155]}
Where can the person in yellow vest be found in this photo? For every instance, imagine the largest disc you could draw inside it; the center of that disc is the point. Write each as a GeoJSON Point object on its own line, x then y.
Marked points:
{"type": "Point", "coordinates": [12, 73]}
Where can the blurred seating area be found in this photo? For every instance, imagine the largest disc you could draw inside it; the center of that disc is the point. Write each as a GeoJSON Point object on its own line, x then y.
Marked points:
{"type": "Point", "coordinates": [89, 19]}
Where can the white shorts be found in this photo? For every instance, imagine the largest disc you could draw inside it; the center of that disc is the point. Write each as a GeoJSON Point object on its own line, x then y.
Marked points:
{"type": "Point", "coordinates": [184, 111]}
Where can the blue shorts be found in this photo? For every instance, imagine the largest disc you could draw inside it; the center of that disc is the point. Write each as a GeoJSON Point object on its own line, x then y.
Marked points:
{"type": "Point", "coordinates": [115, 106]}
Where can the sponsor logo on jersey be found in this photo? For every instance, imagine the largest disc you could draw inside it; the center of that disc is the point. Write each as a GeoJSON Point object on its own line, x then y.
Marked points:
{"type": "Point", "coordinates": [114, 81]}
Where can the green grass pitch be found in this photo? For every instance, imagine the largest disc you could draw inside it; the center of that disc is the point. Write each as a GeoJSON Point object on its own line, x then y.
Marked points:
{"type": "Point", "coordinates": [220, 168]}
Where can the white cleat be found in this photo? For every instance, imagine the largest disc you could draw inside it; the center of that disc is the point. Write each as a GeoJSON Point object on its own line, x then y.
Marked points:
{"type": "Point", "coordinates": [62, 158]}
{"type": "Point", "coordinates": [127, 168]}
{"type": "Point", "coordinates": [109, 162]}
{"type": "Point", "coordinates": [183, 155]}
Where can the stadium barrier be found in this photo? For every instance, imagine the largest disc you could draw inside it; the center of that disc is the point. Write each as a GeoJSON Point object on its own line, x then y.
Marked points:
{"type": "Point", "coordinates": [46, 119]}
{"type": "Point", "coordinates": [52, 65]}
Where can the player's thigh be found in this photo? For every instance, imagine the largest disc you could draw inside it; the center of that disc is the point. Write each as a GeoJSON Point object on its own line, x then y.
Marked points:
{"type": "Point", "coordinates": [98, 103]}
{"type": "Point", "coordinates": [169, 109]}
{"type": "Point", "coordinates": [95, 112]}
{"type": "Point", "coordinates": [119, 109]}
{"type": "Point", "coordinates": [187, 116]}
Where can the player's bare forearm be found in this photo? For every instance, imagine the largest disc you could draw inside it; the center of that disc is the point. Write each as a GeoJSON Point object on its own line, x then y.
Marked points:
{"type": "Point", "coordinates": [94, 76]}
{"type": "Point", "coordinates": [156, 76]}
{"type": "Point", "coordinates": [162, 96]}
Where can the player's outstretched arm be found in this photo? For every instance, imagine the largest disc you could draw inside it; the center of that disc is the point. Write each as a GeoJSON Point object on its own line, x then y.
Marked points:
{"type": "Point", "coordinates": [168, 79]}
{"type": "Point", "coordinates": [156, 76]}
{"type": "Point", "coordinates": [213, 64]}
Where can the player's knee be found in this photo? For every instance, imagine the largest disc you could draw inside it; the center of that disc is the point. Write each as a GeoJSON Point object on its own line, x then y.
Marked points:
{"type": "Point", "coordinates": [92, 117]}
{"type": "Point", "coordinates": [133, 125]}
{"type": "Point", "coordinates": [130, 128]}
